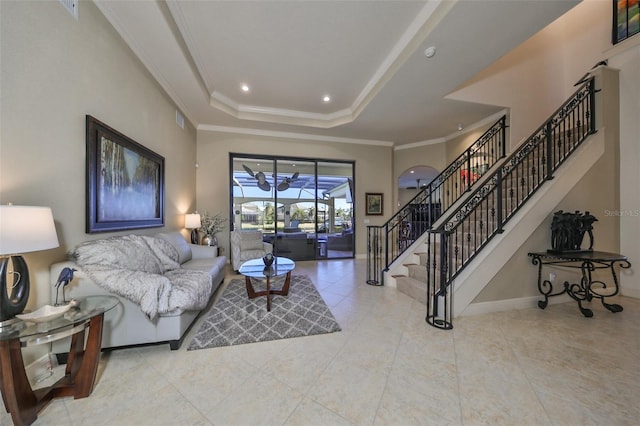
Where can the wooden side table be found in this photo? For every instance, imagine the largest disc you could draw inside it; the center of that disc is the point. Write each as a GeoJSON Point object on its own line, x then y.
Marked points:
{"type": "Point", "coordinates": [19, 399]}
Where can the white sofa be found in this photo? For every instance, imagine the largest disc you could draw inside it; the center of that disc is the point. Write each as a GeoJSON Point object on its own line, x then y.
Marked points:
{"type": "Point", "coordinates": [126, 324]}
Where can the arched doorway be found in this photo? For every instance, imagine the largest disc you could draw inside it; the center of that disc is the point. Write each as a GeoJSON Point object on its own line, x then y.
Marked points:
{"type": "Point", "coordinates": [412, 180]}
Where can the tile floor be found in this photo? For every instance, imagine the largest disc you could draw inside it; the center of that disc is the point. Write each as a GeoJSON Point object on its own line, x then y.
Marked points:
{"type": "Point", "coordinates": [387, 366]}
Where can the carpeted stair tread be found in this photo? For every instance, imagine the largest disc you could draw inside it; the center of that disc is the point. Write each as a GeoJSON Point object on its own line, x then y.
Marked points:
{"type": "Point", "coordinates": [419, 272]}
{"type": "Point", "coordinates": [413, 288]}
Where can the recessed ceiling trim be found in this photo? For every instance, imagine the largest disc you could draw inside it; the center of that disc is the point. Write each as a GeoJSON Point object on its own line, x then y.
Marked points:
{"type": "Point", "coordinates": [111, 16]}
{"type": "Point", "coordinates": [419, 144]}
{"type": "Point", "coordinates": [485, 121]}
{"type": "Point", "coordinates": [181, 23]}
{"type": "Point", "coordinates": [290, 135]}
{"type": "Point", "coordinates": [279, 115]}
{"type": "Point", "coordinates": [427, 20]}
{"type": "Point", "coordinates": [224, 103]}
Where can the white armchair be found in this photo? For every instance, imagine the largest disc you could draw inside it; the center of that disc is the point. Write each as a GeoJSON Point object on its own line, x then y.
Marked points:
{"type": "Point", "coordinates": [247, 245]}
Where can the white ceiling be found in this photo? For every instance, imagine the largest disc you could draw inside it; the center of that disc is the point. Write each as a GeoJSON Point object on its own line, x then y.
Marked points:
{"type": "Point", "coordinates": [367, 55]}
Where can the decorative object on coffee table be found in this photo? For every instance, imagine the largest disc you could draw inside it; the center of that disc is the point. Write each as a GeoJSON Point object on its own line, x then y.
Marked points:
{"type": "Point", "coordinates": [254, 269]}
{"type": "Point", "coordinates": [268, 260]}
{"type": "Point", "coordinates": [568, 231]}
{"type": "Point", "coordinates": [23, 229]}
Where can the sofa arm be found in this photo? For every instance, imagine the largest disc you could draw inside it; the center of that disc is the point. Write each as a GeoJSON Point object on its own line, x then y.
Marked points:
{"type": "Point", "coordinates": [203, 252]}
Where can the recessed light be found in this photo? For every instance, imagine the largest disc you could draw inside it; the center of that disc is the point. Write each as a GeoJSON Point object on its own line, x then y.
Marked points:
{"type": "Point", "coordinates": [412, 171]}
{"type": "Point", "coordinates": [245, 88]}
{"type": "Point", "coordinates": [326, 98]}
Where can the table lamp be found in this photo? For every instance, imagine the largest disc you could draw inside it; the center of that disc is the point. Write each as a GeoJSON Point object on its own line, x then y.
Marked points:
{"type": "Point", "coordinates": [23, 229]}
{"type": "Point", "coordinates": [192, 221]}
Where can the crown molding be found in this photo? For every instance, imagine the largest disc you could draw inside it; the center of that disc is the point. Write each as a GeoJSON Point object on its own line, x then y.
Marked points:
{"type": "Point", "coordinates": [419, 144]}
{"type": "Point", "coordinates": [279, 115]}
{"type": "Point", "coordinates": [428, 18]}
{"type": "Point", "coordinates": [105, 8]}
{"type": "Point", "coordinates": [290, 135]}
{"type": "Point", "coordinates": [488, 120]}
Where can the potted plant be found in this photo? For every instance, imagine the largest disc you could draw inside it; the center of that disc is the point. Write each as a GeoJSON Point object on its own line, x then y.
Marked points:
{"type": "Point", "coordinates": [210, 226]}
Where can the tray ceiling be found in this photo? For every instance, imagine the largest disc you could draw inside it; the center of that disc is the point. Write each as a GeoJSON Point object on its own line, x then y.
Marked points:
{"type": "Point", "coordinates": [368, 56]}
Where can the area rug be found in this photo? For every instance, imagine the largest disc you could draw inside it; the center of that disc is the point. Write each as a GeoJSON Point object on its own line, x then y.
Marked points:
{"type": "Point", "coordinates": [234, 319]}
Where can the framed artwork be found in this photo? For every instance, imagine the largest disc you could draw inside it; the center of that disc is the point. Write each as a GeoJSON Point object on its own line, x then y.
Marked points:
{"type": "Point", "coordinates": [373, 203]}
{"type": "Point", "coordinates": [125, 181]}
{"type": "Point", "coordinates": [626, 19]}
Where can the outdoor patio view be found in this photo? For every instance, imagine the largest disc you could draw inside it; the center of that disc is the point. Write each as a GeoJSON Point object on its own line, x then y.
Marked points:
{"type": "Point", "coordinates": [303, 207]}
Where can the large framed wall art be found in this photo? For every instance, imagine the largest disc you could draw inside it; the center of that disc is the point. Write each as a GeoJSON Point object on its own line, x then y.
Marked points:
{"type": "Point", "coordinates": [125, 181]}
{"type": "Point", "coordinates": [626, 19]}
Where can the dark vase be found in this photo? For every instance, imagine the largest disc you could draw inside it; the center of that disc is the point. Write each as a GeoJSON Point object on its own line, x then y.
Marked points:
{"type": "Point", "coordinates": [268, 260]}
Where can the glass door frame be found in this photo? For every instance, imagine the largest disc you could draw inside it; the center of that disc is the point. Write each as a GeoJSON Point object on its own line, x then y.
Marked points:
{"type": "Point", "coordinates": [320, 244]}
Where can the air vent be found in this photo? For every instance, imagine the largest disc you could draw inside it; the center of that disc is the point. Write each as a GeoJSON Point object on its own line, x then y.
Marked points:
{"type": "Point", "coordinates": [180, 119]}
{"type": "Point", "coordinates": [71, 6]}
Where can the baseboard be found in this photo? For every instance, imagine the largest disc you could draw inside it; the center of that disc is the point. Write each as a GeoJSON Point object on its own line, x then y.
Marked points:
{"type": "Point", "coordinates": [510, 305]}
{"type": "Point", "coordinates": [630, 292]}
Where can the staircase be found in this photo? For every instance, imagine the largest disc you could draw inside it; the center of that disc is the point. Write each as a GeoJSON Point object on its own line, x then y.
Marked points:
{"type": "Point", "coordinates": [440, 256]}
{"type": "Point", "coordinates": [389, 242]}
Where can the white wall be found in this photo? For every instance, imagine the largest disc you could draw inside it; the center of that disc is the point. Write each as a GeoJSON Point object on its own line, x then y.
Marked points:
{"type": "Point", "coordinates": [55, 70]}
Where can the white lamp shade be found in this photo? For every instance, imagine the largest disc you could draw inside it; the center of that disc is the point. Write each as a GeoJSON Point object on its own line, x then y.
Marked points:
{"type": "Point", "coordinates": [24, 229]}
{"type": "Point", "coordinates": [192, 221]}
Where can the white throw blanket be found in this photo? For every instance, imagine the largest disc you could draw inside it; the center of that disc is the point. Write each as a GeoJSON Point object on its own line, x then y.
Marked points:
{"type": "Point", "coordinates": [144, 270]}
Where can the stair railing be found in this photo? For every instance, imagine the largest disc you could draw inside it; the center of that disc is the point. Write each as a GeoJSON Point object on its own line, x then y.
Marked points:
{"type": "Point", "coordinates": [468, 229]}
{"type": "Point", "coordinates": [387, 242]}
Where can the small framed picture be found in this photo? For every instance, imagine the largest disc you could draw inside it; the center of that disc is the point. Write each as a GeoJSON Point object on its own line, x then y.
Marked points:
{"type": "Point", "coordinates": [374, 203]}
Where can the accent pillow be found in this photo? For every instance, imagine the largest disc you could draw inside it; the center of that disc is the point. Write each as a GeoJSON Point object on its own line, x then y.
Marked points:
{"type": "Point", "coordinates": [251, 245]}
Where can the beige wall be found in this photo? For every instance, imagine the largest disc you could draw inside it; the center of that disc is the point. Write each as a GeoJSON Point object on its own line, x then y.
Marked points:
{"type": "Point", "coordinates": [55, 70]}
{"type": "Point", "coordinates": [457, 145]}
{"type": "Point", "coordinates": [626, 58]}
{"type": "Point", "coordinates": [597, 192]}
{"type": "Point", "coordinates": [373, 165]}
{"type": "Point", "coordinates": [543, 68]}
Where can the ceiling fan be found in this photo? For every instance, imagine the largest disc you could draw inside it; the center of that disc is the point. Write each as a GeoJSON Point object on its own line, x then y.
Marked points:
{"type": "Point", "coordinates": [260, 177]}
{"type": "Point", "coordinates": [284, 185]}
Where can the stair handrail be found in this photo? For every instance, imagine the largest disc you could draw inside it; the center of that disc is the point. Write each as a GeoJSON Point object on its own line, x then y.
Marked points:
{"type": "Point", "coordinates": [387, 242]}
{"type": "Point", "coordinates": [564, 125]}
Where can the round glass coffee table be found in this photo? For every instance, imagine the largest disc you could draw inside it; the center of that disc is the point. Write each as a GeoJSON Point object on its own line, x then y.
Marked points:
{"type": "Point", "coordinates": [255, 269]}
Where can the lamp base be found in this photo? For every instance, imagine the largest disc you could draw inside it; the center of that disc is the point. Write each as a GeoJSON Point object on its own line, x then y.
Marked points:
{"type": "Point", "coordinates": [194, 236]}
{"type": "Point", "coordinates": [14, 303]}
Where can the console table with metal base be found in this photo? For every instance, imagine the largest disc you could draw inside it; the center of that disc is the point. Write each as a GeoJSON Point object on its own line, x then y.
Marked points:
{"type": "Point", "coordinates": [588, 288]}
{"type": "Point", "coordinates": [19, 398]}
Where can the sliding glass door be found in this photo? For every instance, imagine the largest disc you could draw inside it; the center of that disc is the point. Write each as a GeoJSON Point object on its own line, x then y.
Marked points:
{"type": "Point", "coordinates": [304, 207]}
